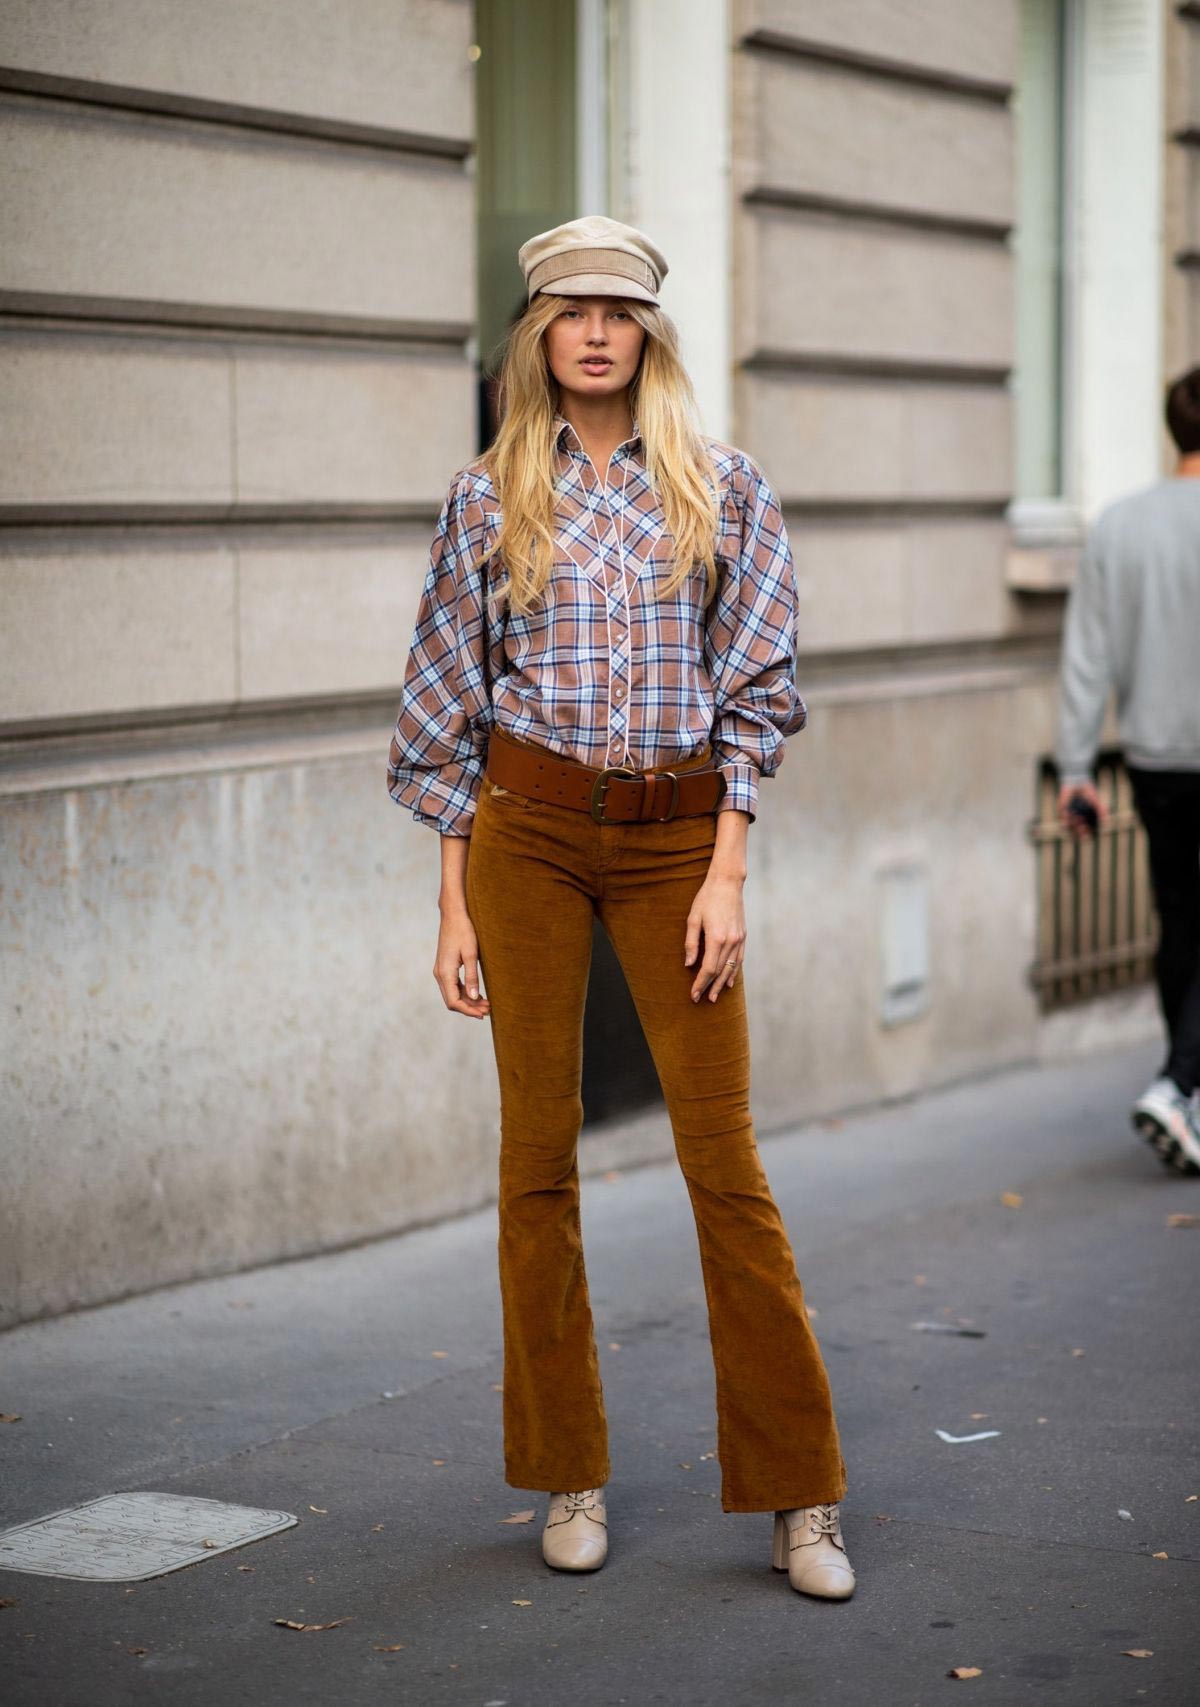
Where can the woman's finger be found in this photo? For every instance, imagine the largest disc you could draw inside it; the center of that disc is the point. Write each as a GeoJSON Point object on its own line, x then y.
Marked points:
{"type": "Point", "coordinates": [710, 968]}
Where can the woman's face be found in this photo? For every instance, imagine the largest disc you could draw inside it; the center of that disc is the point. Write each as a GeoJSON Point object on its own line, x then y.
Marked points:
{"type": "Point", "coordinates": [594, 345]}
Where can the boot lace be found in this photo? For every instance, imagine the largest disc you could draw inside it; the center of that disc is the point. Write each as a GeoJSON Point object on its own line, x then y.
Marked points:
{"type": "Point", "coordinates": [583, 1499]}
{"type": "Point", "coordinates": [824, 1519]}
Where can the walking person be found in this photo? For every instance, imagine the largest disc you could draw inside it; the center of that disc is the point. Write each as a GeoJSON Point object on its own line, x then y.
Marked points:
{"type": "Point", "coordinates": [1133, 627]}
{"type": "Point", "coordinates": [602, 671]}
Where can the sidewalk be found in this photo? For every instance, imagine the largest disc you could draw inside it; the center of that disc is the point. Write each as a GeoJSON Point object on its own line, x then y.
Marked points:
{"type": "Point", "coordinates": [319, 1384]}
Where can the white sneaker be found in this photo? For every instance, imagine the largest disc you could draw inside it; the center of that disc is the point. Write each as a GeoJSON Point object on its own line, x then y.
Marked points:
{"type": "Point", "coordinates": [1170, 1120]}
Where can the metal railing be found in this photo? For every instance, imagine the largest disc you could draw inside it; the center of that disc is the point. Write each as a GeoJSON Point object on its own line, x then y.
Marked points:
{"type": "Point", "coordinates": [1096, 924]}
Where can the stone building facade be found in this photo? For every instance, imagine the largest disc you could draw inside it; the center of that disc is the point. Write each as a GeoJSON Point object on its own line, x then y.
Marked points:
{"type": "Point", "coordinates": [250, 256]}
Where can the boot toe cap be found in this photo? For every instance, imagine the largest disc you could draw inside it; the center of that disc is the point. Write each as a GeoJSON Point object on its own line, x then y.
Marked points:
{"type": "Point", "coordinates": [575, 1552]}
{"type": "Point", "coordinates": [830, 1582]}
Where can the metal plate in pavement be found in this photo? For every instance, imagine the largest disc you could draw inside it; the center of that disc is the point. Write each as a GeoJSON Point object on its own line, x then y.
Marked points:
{"type": "Point", "coordinates": [125, 1538]}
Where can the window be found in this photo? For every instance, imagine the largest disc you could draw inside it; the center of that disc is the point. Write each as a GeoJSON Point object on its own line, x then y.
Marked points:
{"type": "Point", "coordinates": [1089, 119]}
{"type": "Point", "coordinates": [1043, 512]}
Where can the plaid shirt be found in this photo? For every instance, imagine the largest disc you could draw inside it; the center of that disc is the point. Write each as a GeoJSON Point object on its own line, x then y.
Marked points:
{"type": "Point", "coordinates": [605, 671]}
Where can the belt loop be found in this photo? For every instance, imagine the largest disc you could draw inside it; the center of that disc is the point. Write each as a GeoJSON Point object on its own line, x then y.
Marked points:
{"type": "Point", "coordinates": [649, 790]}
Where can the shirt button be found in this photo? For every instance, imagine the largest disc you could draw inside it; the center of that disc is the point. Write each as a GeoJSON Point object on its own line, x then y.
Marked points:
{"type": "Point", "coordinates": [618, 690]}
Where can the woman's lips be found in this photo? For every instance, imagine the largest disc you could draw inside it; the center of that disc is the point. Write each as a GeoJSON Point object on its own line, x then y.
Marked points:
{"type": "Point", "coordinates": [597, 364]}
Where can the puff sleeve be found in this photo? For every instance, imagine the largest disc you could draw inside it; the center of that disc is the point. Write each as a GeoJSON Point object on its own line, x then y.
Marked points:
{"type": "Point", "coordinates": [751, 636]}
{"type": "Point", "coordinates": [439, 744]}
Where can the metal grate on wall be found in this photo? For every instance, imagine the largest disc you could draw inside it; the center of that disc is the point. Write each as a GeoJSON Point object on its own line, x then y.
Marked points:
{"type": "Point", "coordinates": [1096, 924]}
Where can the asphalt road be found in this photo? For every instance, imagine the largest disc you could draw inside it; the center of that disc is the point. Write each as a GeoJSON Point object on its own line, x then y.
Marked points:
{"type": "Point", "coordinates": [317, 1384]}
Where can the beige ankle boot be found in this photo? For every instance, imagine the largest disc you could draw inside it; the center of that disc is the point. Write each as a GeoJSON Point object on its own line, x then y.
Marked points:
{"type": "Point", "coordinates": [575, 1537]}
{"type": "Point", "coordinates": [808, 1546]}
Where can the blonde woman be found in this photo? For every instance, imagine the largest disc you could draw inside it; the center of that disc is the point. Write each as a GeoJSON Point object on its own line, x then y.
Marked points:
{"type": "Point", "coordinates": [601, 672]}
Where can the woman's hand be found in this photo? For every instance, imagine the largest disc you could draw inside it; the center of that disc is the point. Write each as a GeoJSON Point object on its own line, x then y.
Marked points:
{"type": "Point", "coordinates": [457, 948]}
{"type": "Point", "coordinates": [718, 914]}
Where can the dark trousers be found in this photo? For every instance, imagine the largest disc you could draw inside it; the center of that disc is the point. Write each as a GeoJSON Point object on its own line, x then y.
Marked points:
{"type": "Point", "coordinates": [1168, 803]}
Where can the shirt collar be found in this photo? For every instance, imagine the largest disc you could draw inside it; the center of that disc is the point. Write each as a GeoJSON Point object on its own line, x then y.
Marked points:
{"type": "Point", "coordinates": [564, 432]}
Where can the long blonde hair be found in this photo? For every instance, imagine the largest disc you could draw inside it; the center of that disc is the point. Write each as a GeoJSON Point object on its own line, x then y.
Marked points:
{"type": "Point", "coordinates": [522, 460]}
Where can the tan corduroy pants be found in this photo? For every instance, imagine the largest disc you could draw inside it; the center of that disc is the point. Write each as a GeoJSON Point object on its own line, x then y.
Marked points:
{"type": "Point", "coordinates": [537, 874]}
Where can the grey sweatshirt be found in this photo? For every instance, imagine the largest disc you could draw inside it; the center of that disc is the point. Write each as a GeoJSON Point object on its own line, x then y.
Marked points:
{"type": "Point", "coordinates": [1133, 628]}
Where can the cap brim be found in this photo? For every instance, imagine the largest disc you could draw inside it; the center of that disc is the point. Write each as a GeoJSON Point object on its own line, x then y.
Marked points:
{"type": "Point", "coordinates": [599, 284]}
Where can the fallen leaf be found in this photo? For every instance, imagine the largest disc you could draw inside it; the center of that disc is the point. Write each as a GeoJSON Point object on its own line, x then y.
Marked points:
{"type": "Point", "coordinates": [497, 1386]}
{"type": "Point", "coordinates": [388, 1648]}
{"type": "Point", "coordinates": [920, 1280]}
{"type": "Point", "coordinates": [1138, 1653]}
{"type": "Point", "coordinates": [1011, 1199]}
{"type": "Point", "coordinates": [1181, 1220]}
{"type": "Point", "coordinates": [1188, 1498]}
{"type": "Point", "coordinates": [963, 1439]}
{"type": "Point", "coordinates": [245, 1567]}
{"type": "Point", "coordinates": [965, 1671]}
{"type": "Point", "coordinates": [882, 1517]}
{"type": "Point", "coordinates": [1078, 1351]}
{"type": "Point", "coordinates": [1160, 1555]}
{"type": "Point", "coordinates": [519, 1517]}
{"type": "Point", "coordinates": [9, 1603]}
{"type": "Point", "coordinates": [439, 1354]}
{"type": "Point", "coordinates": [811, 1312]}
{"type": "Point", "coordinates": [291, 1624]}
{"type": "Point", "coordinates": [437, 1460]}
{"type": "Point", "coordinates": [136, 1651]}
{"type": "Point", "coordinates": [10, 1416]}
{"type": "Point", "coordinates": [522, 1603]}
{"type": "Point", "coordinates": [1125, 1516]}
{"type": "Point", "coordinates": [1043, 1419]}
{"type": "Point", "coordinates": [207, 1543]}
{"type": "Point", "coordinates": [611, 1175]}
{"type": "Point", "coordinates": [614, 1345]}
{"type": "Point", "coordinates": [705, 1455]}
{"type": "Point", "coordinates": [375, 1528]}
{"type": "Point", "coordinates": [684, 1466]}
{"type": "Point", "coordinates": [321, 1510]}
{"type": "Point", "coordinates": [979, 1416]}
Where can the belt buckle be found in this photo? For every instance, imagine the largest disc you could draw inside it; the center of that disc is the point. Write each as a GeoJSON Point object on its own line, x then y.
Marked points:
{"type": "Point", "coordinates": [600, 789]}
{"type": "Point", "coordinates": [670, 812]}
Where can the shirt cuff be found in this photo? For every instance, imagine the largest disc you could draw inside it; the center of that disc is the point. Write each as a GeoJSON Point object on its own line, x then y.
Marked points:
{"type": "Point", "coordinates": [446, 827]}
{"type": "Point", "coordinates": [741, 793]}
{"type": "Point", "coordinates": [443, 800]}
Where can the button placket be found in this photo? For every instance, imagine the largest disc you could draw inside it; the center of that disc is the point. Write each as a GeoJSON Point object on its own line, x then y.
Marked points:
{"type": "Point", "coordinates": [611, 578]}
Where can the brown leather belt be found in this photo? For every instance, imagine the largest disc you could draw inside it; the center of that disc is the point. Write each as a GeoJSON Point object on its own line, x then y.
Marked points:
{"type": "Point", "coordinates": [613, 794]}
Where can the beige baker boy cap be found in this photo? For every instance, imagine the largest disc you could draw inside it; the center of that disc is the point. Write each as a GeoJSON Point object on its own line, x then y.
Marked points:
{"type": "Point", "coordinates": [593, 256]}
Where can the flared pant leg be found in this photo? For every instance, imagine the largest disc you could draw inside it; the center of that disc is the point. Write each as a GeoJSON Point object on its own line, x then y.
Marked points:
{"type": "Point", "coordinates": [777, 1440]}
{"type": "Point", "coordinates": [530, 903]}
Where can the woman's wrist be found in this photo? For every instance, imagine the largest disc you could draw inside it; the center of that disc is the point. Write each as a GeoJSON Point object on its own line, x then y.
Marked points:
{"type": "Point", "coordinates": [725, 871]}
{"type": "Point", "coordinates": [729, 853]}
